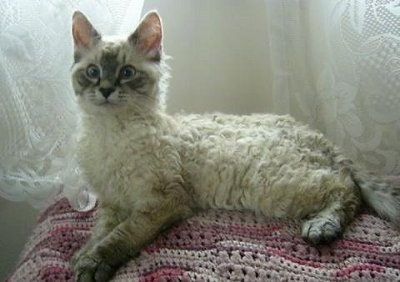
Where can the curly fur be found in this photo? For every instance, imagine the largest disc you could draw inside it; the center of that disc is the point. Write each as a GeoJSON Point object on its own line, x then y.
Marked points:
{"type": "Point", "coordinates": [150, 169]}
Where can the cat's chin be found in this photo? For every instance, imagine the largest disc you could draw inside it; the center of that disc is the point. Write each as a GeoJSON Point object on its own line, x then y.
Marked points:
{"type": "Point", "coordinates": [107, 104]}
{"type": "Point", "coordinates": [102, 108]}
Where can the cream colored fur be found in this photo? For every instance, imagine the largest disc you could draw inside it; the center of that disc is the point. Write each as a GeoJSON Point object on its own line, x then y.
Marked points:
{"type": "Point", "coordinates": [150, 169]}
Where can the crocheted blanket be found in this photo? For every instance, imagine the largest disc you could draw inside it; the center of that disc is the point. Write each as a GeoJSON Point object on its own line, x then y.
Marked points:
{"type": "Point", "coordinates": [220, 246]}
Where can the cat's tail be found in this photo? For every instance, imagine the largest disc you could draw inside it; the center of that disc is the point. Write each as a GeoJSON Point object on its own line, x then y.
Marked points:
{"type": "Point", "coordinates": [378, 194]}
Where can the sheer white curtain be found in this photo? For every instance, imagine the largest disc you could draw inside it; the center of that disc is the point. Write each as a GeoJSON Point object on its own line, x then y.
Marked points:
{"type": "Point", "coordinates": [333, 64]}
{"type": "Point", "coordinates": [336, 65]}
{"type": "Point", "coordinates": [38, 115]}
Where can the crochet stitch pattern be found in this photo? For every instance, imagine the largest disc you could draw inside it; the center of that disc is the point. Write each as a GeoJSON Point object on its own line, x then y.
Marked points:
{"type": "Point", "coordinates": [220, 246]}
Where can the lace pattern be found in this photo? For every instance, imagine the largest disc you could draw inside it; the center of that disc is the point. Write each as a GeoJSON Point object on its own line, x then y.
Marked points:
{"type": "Point", "coordinates": [339, 70]}
{"type": "Point", "coordinates": [38, 112]}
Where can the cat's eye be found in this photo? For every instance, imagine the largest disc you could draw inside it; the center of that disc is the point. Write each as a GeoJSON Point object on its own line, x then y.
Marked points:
{"type": "Point", "coordinates": [127, 73]}
{"type": "Point", "coordinates": [93, 72]}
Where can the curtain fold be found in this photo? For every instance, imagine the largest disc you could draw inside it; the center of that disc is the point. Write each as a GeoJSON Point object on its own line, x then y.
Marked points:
{"type": "Point", "coordinates": [38, 112]}
{"type": "Point", "coordinates": [336, 66]}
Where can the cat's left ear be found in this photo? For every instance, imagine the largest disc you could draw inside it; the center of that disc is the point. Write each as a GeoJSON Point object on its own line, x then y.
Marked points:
{"type": "Point", "coordinates": [147, 37]}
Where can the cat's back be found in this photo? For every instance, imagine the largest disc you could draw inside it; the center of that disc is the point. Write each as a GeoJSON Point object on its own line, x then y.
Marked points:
{"type": "Point", "coordinates": [226, 137]}
{"type": "Point", "coordinates": [237, 128]}
{"type": "Point", "coordinates": [199, 120]}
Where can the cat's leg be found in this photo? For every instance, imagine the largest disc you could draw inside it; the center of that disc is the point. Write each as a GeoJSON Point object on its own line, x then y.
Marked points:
{"type": "Point", "coordinates": [127, 239]}
{"type": "Point", "coordinates": [328, 224]}
{"type": "Point", "coordinates": [108, 219]}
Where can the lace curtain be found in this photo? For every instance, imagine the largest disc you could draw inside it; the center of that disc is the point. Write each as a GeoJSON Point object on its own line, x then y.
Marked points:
{"type": "Point", "coordinates": [336, 65]}
{"type": "Point", "coordinates": [37, 108]}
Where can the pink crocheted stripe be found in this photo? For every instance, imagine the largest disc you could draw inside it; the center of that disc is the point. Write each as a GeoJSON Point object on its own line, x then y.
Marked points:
{"type": "Point", "coordinates": [219, 246]}
{"type": "Point", "coordinates": [359, 267]}
{"type": "Point", "coordinates": [163, 274]}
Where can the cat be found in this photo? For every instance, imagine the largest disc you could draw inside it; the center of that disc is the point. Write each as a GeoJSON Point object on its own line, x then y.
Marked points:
{"type": "Point", "coordinates": [150, 169]}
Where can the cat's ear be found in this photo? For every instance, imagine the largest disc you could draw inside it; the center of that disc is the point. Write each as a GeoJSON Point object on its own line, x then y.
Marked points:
{"type": "Point", "coordinates": [147, 37]}
{"type": "Point", "coordinates": [84, 34]}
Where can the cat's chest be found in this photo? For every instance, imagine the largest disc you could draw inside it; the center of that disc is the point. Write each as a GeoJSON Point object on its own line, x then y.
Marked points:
{"type": "Point", "coordinates": [111, 157]}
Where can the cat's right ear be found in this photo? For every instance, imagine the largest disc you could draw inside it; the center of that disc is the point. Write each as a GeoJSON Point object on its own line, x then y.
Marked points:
{"type": "Point", "coordinates": [84, 34]}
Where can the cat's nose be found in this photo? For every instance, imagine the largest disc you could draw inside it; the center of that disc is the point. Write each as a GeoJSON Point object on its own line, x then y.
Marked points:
{"type": "Point", "coordinates": [106, 91]}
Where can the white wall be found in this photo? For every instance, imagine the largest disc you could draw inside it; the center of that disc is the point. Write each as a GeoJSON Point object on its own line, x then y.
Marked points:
{"type": "Point", "coordinates": [219, 51]}
{"type": "Point", "coordinates": [16, 223]}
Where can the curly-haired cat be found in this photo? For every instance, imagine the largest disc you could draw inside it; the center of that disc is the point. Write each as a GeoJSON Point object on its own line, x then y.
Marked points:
{"type": "Point", "coordinates": [150, 169]}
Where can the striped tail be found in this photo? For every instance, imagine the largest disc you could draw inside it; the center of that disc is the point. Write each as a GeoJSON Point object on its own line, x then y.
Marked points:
{"type": "Point", "coordinates": [379, 195]}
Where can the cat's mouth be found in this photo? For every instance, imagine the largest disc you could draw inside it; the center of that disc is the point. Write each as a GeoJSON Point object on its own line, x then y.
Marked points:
{"type": "Point", "coordinates": [106, 103]}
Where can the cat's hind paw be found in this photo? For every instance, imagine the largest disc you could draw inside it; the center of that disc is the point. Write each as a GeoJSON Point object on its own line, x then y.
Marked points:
{"type": "Point", "coordinates": [321, 229]}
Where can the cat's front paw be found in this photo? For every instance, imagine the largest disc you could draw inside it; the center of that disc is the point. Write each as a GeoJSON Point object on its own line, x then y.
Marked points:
{"type": "Point", "coordinates": [89, 266]}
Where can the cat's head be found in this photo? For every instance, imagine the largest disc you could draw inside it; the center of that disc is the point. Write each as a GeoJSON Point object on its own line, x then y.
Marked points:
{"type": "Point", "coordinates": [115, 76]}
